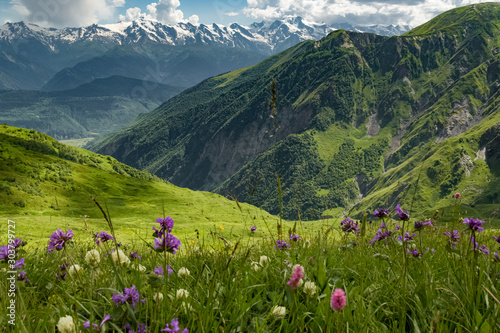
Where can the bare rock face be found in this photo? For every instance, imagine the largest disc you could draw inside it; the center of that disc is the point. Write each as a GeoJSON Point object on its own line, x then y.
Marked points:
{"type": "Point", "coordinates": [467, 164]}
{"type": "Point", "coordinates": [459, 121]}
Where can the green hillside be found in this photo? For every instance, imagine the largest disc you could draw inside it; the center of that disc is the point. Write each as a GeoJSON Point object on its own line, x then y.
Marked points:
{"type": "Point", "coordinates": [358, 116]}
{"type": "Point", "coordinates": [99, 107]}
{"type": "Point", "coordinates": [46, 184]}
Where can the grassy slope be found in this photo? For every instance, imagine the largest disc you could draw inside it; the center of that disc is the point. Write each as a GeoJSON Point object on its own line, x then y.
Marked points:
{"type": "Point", "coordinates": [55, 184]}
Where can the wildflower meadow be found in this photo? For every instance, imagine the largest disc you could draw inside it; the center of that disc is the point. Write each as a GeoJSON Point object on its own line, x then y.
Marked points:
{"type": "Point", "coordinates": [383, 273]}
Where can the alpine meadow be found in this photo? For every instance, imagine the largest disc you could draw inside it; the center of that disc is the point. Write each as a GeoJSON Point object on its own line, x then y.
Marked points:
{"type": "Point", "coordinates": [285, 176]}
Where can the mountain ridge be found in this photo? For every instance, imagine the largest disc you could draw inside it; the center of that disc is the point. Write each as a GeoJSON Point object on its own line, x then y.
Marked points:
{"type": "Point", "coordinates": [405, 92]}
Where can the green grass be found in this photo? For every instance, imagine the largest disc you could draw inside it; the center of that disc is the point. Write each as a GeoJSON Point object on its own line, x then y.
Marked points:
{"type": "Point", "coordinates": [445, 290]}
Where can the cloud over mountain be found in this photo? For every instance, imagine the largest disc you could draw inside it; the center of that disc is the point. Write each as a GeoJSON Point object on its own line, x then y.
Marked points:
{"type": "Point", "coordinates": [355, 12]}
{"type": "Point", "coordinates": [62, 13]}
{"type": "Point", "coordinates": [164, 11]}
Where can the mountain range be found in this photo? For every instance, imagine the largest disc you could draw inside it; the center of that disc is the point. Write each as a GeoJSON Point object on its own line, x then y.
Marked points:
{"type": "Point", "coordinates": [32, 57]}
{"type": "Point", "coordinates": [360, 121]}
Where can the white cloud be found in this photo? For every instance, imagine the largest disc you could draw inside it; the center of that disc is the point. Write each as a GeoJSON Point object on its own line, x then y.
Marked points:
{"type": "Point", "coordinates": [63, 13]}
{"type": "Point", "coordinates": [165, 11]}
{"type": "Point", "coordinates": [194, 19]}
{"type": "Point", "coordinates": [231, 14]}
{"type": "Point", "coordinates": [413, 12]}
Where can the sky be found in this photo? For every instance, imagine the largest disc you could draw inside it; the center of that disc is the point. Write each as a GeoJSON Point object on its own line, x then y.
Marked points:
{"type": "Point", "coordinates": [75, 13]}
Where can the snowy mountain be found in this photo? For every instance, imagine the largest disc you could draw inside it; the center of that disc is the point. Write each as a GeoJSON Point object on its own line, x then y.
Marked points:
{"type": "Point", "coordinates": [31, 56]}
{"type": "Point", "coordinates": [265, 37]}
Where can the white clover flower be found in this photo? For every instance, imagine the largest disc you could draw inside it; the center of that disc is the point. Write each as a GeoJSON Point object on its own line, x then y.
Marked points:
{"type": "Point", "coordinates": [264, 260]}
{"type": "Point", "coordinates": [255, 266]}
{"type": "Point", "coordinates": [310, 288]}
{"type": "Point", "coordinates": [139, 267]}
{"type": "Point", "coordinates": [66, 325]}
{"type": "Point", "coordinates": [183, 272]}
{"type": "Point", "coordinates": [73, 270]}
{"type": "Point", "coordinates": [181, 293]}
{"type": "Point", "coordinates": [278, 312]}
{"type": "Point", "coordinates": [93, 258]}
{"type": "Point", "coordinates": [158, 297]}
{"type": "Point", "coordinates": [120, 258]}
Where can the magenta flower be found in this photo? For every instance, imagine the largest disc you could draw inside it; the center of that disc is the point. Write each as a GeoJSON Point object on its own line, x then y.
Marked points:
{"type": "Point", "coordinates": [296, 278]}
{"type": "Point", "coordinates": [474, 224]}
{"type": "Point", "coordinates": [457, 195]}
{"type": "Point", "coordinates": [403, 215]}
{"type": "Point", "coordinates": [338, 301]}
{"type": "Point", "coordinates": [175, 327]}
{"type": "Point", "coordinates": [131, 295]}
{"type": "Point", "coordinates": [58, 239]}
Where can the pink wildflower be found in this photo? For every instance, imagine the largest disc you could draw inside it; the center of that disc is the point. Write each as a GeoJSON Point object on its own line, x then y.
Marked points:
{"type": "Point", "coordinates": [457, 195]}
{"type": "Point", "coordinates": [296, 278]}
{"type": "Point", "coordinates": [338, 300]}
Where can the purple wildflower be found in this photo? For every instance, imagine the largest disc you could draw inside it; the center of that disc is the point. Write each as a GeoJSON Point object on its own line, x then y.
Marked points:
{"type": "Point", "coordinates": [62, 276]}
{"type": "Point", "coordinates": [407, 237]}
{"type": "Point", "coordinates": [131, 295]}
{"type": "Point", "coordinates": [403, 215]}
{"type": "Point", "coordinates": [159, 270]}
{"type": "Point", "coordinates": [415, 253]}
{"type": "Point", "coordinates": [4, 252]}
{"type": "Point", "coordinates": [497, 239]}
{"type": "Point", "coordinates": [419, 225]}
{"type": "Point", "coordinates": [168, 243]}
{"type": "Point", "coordinates": [484, 249]}
{"type": "Point", "coordinates": [166, 224]}
{"type": "Point", "coordinates": [497, 259]}
{"type": "Point", "coordinates": [19, 263]}
{"type": "Point", "coordinates": [349, 225]}
{"type": "Point", "coordinates": [398, 227]}
{"type": "Point", "coordinates": [253, 228]}
{"type": "Point", "coordinates": [281, 245]}
{"type": "Point", "coordinates": [58, 239]}
{"type": "Point", "coordinates": [381, 212]}
{"type": "Point", "coordinates": [18, 242]}
{"type": "Point", "coordinates": [381, 235]}
{"type": "Point", "coordinates": [135, 255]}
{"type": "Point", "coordinates": [295, 238]}
{"type": "Point", "coordinates": [474, 224]}
{"type": "Point", "coordinates": [175, 327]}
{"type": "Point", "coordinates": [102, 237]}
{"type": "Point", "coordinates": [64, 266]}
{"type": "Point", "coordinates": [21, 276]}
{"type": "Point", "coordinates": [431, 250]}
{"type": "Point", "coordinates": [454, 237]}
{"type": "Point", "coordinates": [457, 195]}
{"type": "Point", "coordinates": [141, 328]}
{"type": "Point", "coordinates": [95, 327]}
